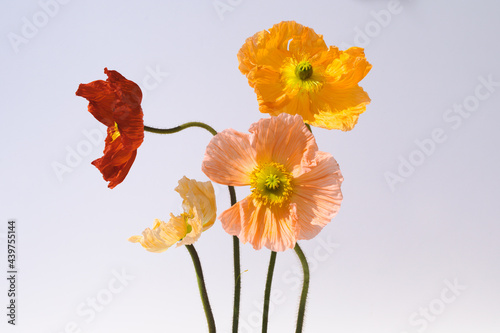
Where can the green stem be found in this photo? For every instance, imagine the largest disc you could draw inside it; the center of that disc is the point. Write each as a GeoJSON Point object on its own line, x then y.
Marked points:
{"type": "Point", "coordinates": [237, 283]}
{"type": "Point", "coordinates": [305, 288]}
{"type": "Point", "coordinates": [237, 270]}
{"type": "Point", "coordinates": [267, 293]}
{"type": "Point", "coordinates": [180, 128]}
{"type": "Point", "coordinates": [232, 194]}
{"type": "Point", "coordinates": [203, 289]}
{"type": "Point", "coordinates": [308, 127]}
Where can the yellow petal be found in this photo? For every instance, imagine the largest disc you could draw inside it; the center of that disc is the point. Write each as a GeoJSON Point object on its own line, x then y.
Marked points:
{"type": "Point", "coordinates": [199, 215]}
{"type": "Point", "coordinates": [198, 200]}
{"type": "Point", "coordinates": [162, 236]}
{"type": "Point", "coordinates": [195, 228]}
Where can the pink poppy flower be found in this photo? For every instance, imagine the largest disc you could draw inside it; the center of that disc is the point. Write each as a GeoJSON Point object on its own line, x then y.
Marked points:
{"type": "Point", "coordinates": [295, 188]}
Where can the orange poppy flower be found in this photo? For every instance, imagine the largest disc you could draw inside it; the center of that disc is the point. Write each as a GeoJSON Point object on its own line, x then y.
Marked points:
{"type": "Point", "coordinates": [293, 71]}
{"type": "Point", "coordinates": [295, 188]}
{"type": "Point", "coordinates": [116, 103]}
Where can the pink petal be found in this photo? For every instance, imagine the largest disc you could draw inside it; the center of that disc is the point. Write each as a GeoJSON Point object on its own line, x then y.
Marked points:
{"type": "Point", "coordinates": [283, 139]}
{"type": "Point", "coordinates": [317, 195]}
{"type": "Point", "coordinates": [262, 226]}
{"type": "Point", "coordinates": [229, 158]}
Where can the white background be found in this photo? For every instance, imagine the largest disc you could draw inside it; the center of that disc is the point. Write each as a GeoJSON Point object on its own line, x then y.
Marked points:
{"type": "Point", "coordinates": [388, 257]}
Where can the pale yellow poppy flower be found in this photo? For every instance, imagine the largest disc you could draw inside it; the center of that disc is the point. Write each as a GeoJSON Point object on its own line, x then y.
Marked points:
{"type": "Point", "coordinates": [199, 215]}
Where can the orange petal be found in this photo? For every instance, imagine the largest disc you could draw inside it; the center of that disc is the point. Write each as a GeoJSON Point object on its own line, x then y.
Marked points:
{"type": "Point", "coordinates": [304, 40]}
{"type": "Point", "coordinates": [229, 158]}
{"type": "Point", "coordinates": [339, 108]}
{"type": "Point", "coordinates": [258, 50]}
{"type": "Point", "coordinates": [247, 55]}
{"type": "Point", "coordinates": [317, 195]}
{"type": "Point", "coordinates": [300, 103]}
{"type": "Point", "coordinates": [269, 89]}
{"type": "Point", "coordinates": [350, 68]}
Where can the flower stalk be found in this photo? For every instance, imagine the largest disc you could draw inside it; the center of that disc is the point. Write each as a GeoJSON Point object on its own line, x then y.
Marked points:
{"type": "Point", "coordinates": [203, 289]}
{"type": "Point", "coordinates": [180, 128]}
{"type": "Point", "coordinates": [305, 288]}
{"type": "Point", "coordinates": [267, 293]}
{"type": "Point", "coordinates": [237, 270]}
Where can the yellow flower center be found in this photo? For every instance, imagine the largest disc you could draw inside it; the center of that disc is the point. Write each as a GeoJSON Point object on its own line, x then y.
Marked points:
{"type": "Point", "coordinates": [115, 133]}
{"type": "Point", "coordinates": [186, 217]}
{"type": "Point", "coordinates": [300, 76]}
{"type": "Point", "coordinates": [271, 184]}
{"type": "Point", "coordinates": [184, 232]}
{"type": "Point", "coordinates": [304, 70]}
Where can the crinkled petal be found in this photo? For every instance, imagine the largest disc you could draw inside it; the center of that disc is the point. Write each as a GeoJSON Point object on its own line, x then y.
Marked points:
{"type": "Point", "coordinates": [300, 104]}
{"type": "Point", "coordinates": [229, 158]}
{"type": "Point", "coordinates": [350, 68]}
{"type": "Point", "coordinates": [114, 171]}
{"type": "Point", "coordinates": [114, 100]}
{"type": "Point", "coordinates": [304, 39]}
{"type": "Point", "coordinates": [194, 221]}
{"type": "Point", "coordinates": [260, 225]}
{"type": "Point", "coordinates": [317, 195]}
{"type": "Point", "coordinates": [253, 51]}
{"type": "Point", "coordinates": [269, 88]}
{"type": "Point", "coordinates": [198, 198]}
{"type": "Point", "coordinates": [232, 218]}
{"type": "Point", "coordinates": [162, 236]}
{"type": "Point", "coordinates": [283, 139]}
{"type": "Point", "coordinates": [267, 48]}
{"type": "Point", "coordinates": [101, 100]}
{"type": "Point", "coordinates": [339, 108]}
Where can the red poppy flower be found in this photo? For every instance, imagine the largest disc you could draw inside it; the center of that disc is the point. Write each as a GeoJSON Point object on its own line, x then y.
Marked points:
{"type": "Point", "coordinates": [116, 103]}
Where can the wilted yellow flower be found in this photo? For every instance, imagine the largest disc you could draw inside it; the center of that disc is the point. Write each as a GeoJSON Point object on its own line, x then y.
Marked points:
{"type": "Point", "coordinates": [199, 214]}
{"type": "Point", "coordinates": [293, 71]}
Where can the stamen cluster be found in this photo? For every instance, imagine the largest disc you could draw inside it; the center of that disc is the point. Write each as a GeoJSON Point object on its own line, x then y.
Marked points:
{"type": "Point", "coordinates": [271, 184]}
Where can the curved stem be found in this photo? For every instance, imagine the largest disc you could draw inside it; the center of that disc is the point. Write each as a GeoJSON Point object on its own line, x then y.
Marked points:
{"type": "Point", "coordinates": [267, 293]}
{"type": "Point", "coordinates": [308, 127]}
{"type": "Point", "coordinates": [180, 128]}
{"type": "Point", "coordinates": [203, 289]}
{"type": "Point", "coordinates": [305, 288]}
